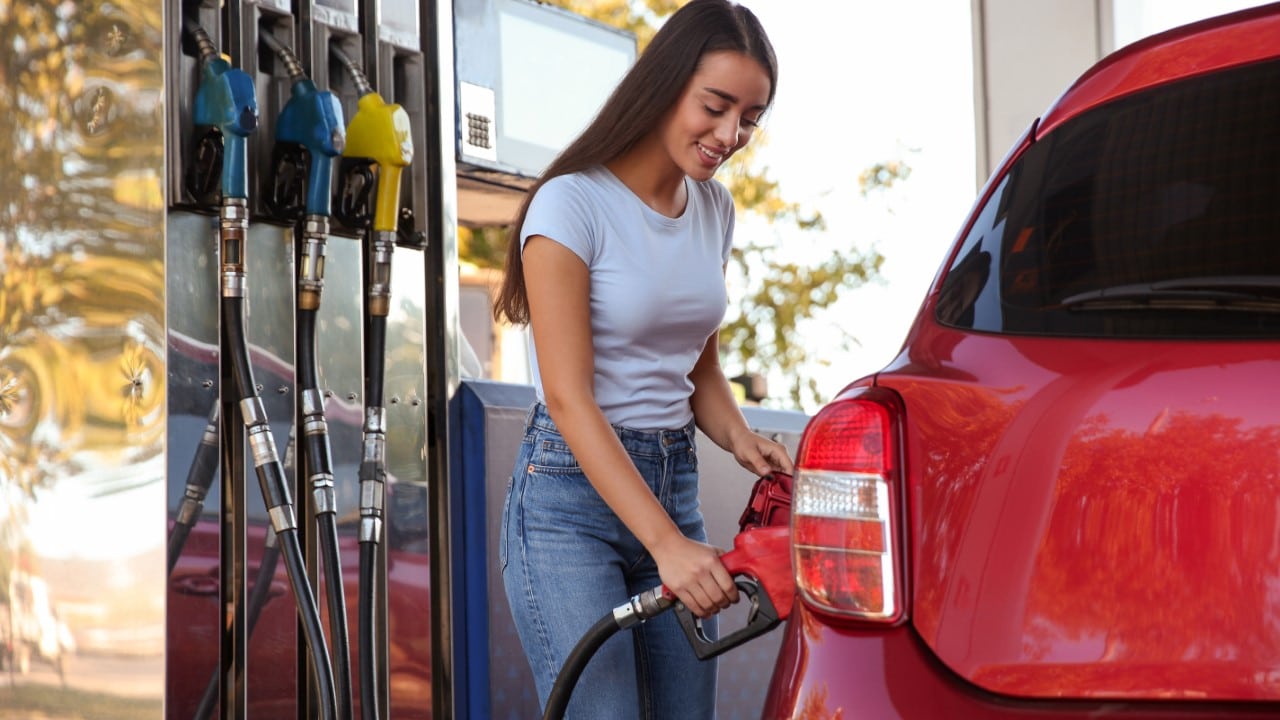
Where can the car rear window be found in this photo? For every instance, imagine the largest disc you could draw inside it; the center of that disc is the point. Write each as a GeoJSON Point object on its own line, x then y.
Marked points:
{"type": "Point", "coordinates": [1157, 215]}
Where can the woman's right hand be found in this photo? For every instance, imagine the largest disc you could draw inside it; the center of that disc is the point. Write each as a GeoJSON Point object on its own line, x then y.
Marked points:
{"type": "Point", "coordinates": [693, 572]}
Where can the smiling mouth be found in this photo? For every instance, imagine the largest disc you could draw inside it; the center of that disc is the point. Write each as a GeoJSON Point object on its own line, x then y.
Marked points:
{"type": "Point", "coordinates": [709, 154]}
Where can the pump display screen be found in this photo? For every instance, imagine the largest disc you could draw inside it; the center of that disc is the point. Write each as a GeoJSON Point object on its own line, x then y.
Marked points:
{"type": "Point", "coordinates": [554, 77]}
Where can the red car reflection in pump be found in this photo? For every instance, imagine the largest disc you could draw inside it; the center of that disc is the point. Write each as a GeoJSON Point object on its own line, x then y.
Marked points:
{"type": "Point", "coordinates": [1062, 498]}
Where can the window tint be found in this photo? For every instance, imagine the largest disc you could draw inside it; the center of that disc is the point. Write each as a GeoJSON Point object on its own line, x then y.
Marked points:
{"type": "Point", "coordinates": [1154, 216]}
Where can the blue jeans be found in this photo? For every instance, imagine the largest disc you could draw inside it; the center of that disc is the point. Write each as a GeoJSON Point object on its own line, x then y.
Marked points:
{"type": "Point", "coordinates": [567, 561]}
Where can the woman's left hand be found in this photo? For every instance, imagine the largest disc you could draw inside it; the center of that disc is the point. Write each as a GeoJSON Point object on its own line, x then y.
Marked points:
{"type": "Point", "coordinates": [759, 454]}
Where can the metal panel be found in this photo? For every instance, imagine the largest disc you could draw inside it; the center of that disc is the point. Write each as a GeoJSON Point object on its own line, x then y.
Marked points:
{"type": "Point", "coordinates": [408, 523]}
{"type": "Point", "coordinates": [496, 678]}
{"type": "Point", "coordinates": [269, 325]}
{"type": "Point", "coordinates": [193, 618]}
{"type": "Point", "coordinates": [82, 360]}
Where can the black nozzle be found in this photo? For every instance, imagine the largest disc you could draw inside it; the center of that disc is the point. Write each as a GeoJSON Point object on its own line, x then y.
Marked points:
{"type": "Point", "coordinates": [285, 187]}
{"type": "Point", "coordinates": [762, 618]}
{"type": "Point", "coordinates": [353, 197]}
{"type": "Point", "coordinates": [204, 172]}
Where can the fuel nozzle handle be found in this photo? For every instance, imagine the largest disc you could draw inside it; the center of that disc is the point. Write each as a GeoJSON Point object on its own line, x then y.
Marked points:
{"type": "Point", "coordinates": [760, 563]}
{"type": "Point", "coordinates": [226, 100]}
{"type": "Point", "coordinates": [379, 131]}
{"type": "Point", "coordinates": [313, 119]}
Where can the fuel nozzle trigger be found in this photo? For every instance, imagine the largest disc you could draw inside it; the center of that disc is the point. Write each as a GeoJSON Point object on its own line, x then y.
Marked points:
{"type": "Point", "coordinates": [204, 172]}
{"type": "Point", "coordinates": [354, 193]}
{"type": "Point", "coordinates": [286, 182]}
{"type": "Point", "coordinates": [761, 618]}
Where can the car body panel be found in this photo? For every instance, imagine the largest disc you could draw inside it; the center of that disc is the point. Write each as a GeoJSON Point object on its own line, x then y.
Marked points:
{"type": "Point", "coordinates": [830, 671]}
{"type": "Point", "coordinates": [1095, 508]}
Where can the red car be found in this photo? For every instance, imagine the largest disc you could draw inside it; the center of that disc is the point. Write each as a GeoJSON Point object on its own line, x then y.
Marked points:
{"type": "Point", "coordinates": [1062, 498]}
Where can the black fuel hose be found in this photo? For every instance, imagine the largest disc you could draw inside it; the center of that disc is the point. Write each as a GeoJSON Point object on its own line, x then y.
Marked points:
{"type": "Point", "coordinates": [318, 466]}
{"type": "Point", "coordinates": [372, 493]}
{"type": "Point", "coordinates": [368, 658]}
{"type": "Point", "coordinates": [204, 466]}
{"type": "Point", "coordinates": [558, 701]}
{"type": "Point", "coordinates": [275, 494]}
{"type": "Point", "coordinates": [641, 607]}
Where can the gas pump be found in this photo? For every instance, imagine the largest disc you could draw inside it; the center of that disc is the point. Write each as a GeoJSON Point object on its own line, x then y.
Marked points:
{"type": "Point", "coordinates": [309, 134]}
{"type": "Point", "coordinates": [380, 133]}
{"type": "Point", "coordinates": [226, 100]}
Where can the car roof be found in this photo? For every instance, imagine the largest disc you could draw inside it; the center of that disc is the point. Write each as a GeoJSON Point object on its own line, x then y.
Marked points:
{"type": "Point", "coordinates": [1226, 41]}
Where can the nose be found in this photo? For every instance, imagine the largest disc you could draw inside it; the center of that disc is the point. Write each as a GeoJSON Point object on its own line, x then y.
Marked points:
{"type": "Point", "coordinates": [727, 131]}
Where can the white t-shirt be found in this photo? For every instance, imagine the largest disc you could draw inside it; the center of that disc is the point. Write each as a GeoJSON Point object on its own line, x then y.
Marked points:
{"type": "Point", "coordinates": [657, 287]}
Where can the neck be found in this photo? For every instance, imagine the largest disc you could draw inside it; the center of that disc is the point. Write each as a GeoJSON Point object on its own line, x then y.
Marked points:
{"type": "Point", "coordinates": [652, 177]}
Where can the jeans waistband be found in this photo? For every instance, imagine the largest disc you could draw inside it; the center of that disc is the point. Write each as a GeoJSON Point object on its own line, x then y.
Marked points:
{"type": "Point", "coordinates": [539, 417]}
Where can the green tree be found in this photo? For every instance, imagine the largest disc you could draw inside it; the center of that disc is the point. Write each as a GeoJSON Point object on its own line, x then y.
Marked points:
{"type": "Point", "coordinates": [763, 332]}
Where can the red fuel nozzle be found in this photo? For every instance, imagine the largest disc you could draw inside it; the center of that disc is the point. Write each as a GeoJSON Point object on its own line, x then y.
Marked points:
{"type": "Point", "coordinates": [760, 563]}
{"type": "Point", "coordinates": [760, 558]}
{"type": "Point", "coordinates": [764, 554]}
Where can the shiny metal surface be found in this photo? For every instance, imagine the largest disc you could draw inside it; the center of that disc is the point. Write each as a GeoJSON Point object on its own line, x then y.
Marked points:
{"type": "Point", "coordinates": [82, 360]}
{"type": "Point", "coordinates": [193, 618]}
{"type": "Point", "coordinates": [407, 531]}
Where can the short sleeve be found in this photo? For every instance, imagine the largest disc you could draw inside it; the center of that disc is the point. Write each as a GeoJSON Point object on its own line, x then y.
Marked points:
{"type": "Point", "coordinates": [562, 211]}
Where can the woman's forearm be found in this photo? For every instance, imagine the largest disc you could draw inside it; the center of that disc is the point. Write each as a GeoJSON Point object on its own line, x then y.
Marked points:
{"type": "Point", "coordinates": [715, 409]}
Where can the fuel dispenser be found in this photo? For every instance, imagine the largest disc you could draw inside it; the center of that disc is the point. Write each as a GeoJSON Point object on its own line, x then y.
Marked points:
{"type": "Point", "coordinates": [379, 137]}
{"type": "Point", "coordinates": [310, 133]}
{"type": "Point", "coordinates": [226, 100]}
{"type": "Point", "coordinates": [284, 164]}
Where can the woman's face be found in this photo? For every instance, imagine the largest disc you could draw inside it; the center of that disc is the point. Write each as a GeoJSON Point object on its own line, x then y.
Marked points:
{"type": "Point", "coordinates": [716, 113]}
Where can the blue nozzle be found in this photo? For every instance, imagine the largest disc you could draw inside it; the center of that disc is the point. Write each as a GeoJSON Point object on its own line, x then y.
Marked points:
{"type": "Point", "coordinates": [313, 118]}
{"type": "Point", "coordinates": [226, 100]}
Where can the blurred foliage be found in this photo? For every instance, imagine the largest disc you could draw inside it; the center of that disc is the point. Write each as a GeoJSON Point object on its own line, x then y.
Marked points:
{"type": "Point", "coordinates": [483, 247]}
{"type": "Point", "coordinates": [882, 176]}
{"type": "Point", "coordinates": [81, 255]}
{"type": "Point", "coordinates": [763, 332]}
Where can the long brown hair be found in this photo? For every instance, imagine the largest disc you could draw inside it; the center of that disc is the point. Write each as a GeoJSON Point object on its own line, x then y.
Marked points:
{"type": "Point", "coordinates": [637, 104]}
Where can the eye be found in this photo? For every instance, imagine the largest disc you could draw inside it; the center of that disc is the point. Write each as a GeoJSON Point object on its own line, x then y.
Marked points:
{"type": "Point", "coordinates": [751, 122]}
{"type": "Point", "coordinates": [713, 112]}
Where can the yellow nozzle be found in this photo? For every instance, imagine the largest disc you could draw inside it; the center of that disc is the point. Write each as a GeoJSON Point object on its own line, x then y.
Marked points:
{"type": "Point", "coordinates": [380, 131]}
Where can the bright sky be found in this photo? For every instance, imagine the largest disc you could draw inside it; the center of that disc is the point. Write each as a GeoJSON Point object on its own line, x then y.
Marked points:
{"type": "Point", "coordinates": [866, 82]}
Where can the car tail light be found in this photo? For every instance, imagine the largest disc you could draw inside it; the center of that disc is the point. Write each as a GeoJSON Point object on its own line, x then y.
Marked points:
{"type": "Point", "coordinates": [844, 515]}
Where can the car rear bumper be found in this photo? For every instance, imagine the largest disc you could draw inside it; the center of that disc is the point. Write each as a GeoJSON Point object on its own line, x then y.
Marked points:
{"type": "Point", "coordinates": [826, 672]}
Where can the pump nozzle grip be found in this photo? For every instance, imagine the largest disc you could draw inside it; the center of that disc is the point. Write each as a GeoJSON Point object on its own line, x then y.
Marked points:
{"type": "Point", "coordinates": [760, 563]}
{"type": "Point", "coordinates": [226, 100]}
{"type": "Point", "coordinates": [313, 119]}
{"type": "Point", "coordinates": [381, 132]}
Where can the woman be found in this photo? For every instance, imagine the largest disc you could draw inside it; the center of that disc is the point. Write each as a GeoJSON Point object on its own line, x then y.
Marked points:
{"type": "Point", "coordinates": [617, 262]}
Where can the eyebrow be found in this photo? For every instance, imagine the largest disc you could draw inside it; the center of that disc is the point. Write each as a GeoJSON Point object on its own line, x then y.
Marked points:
{"type": "Point", "coordinates": [730, 98]}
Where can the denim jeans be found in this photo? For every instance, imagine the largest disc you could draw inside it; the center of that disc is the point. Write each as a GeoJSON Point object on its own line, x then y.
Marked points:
{"type": "Point", "coordinates": [567, 561]}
